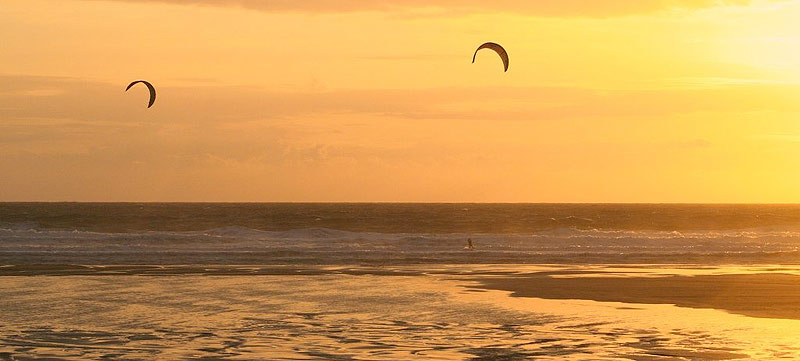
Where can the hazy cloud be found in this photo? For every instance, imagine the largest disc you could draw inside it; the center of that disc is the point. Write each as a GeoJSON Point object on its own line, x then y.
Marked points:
{"type": "Point", "coordinates": [96, 103]}
{"type": "Point", "coordinates": [582, 8]}
{"type": "Point", "coordinates": [68, 138]}
{"type": "Point", "coordinates": [42, 115]}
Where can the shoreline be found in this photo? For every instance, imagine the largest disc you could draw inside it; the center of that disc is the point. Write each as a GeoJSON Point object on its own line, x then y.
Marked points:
{"type": "Point", "coordinates": [763, 295]}
{"type": "Point", "coordinates": [766, 292]}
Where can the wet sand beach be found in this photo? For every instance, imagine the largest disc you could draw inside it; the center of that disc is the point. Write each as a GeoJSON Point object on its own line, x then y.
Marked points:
{"type": "Point", "coordinates": [431, 312]}
{"type": "Point", "coordinates": [770, 292]}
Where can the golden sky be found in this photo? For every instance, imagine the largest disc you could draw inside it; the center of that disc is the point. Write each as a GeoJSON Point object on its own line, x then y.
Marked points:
{"type": "Point", "coordinates": [377, 100]}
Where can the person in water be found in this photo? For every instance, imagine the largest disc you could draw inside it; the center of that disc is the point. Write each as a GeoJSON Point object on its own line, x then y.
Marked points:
{"type": "Point", "coordinates": [469, 244]}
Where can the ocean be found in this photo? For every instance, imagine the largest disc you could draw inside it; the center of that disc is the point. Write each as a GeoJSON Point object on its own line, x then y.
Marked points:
{"type": "Point", "coordinates": [274, 234]}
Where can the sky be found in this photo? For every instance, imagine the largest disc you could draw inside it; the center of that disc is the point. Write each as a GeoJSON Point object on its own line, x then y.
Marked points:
{"type": "Point", "coordinates": [687, 101]}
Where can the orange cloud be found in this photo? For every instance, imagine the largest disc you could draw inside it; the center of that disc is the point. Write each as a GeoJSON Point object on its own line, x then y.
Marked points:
{"type": "Point", "coordinates": [53, 97]}
{"type": "Point", "coordinates": [580, 8]}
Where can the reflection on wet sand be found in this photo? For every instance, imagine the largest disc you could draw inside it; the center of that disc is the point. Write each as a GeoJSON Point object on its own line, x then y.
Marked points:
{"type": "Point", "coordinates": [341, 314]}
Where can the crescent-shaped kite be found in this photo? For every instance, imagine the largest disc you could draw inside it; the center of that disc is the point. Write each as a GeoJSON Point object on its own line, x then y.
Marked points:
{"type": "Point", "coordinates": [149, 86]}
{"type": "Point", "coordinates": [498, 49]}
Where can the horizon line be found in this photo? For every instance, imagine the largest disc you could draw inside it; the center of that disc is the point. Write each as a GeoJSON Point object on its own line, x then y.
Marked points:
{"type": "Point", "coordinates": [405, 202]}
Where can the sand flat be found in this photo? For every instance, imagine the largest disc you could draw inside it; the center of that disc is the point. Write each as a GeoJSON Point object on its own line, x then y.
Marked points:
{"type": "Point", "coordinates": [771, 295]}
{"type": "Point", "coordinates": [362, 313]}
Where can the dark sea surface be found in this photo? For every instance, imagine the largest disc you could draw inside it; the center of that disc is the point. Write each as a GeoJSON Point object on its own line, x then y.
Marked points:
{"type": "Point", "coordinates": [331, 233]}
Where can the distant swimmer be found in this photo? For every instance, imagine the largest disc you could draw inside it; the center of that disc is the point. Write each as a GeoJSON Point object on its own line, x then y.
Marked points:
{"type": "Point", "coordinates": [497, 49]}
{"type": "Point", "coordinates": [469, 245]}
{"type": "Point", "coordinates": [149, 87]}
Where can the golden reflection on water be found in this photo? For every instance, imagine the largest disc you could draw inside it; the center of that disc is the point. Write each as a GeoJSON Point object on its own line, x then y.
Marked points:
{"type": "Point", "coordinates": [438, 316]}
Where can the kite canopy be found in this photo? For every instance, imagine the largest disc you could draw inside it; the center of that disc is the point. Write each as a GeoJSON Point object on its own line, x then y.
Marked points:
{"type": "Point", "coordinates": [498, 49]}
{"type": "Point", "coordinates": [149, 86]}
